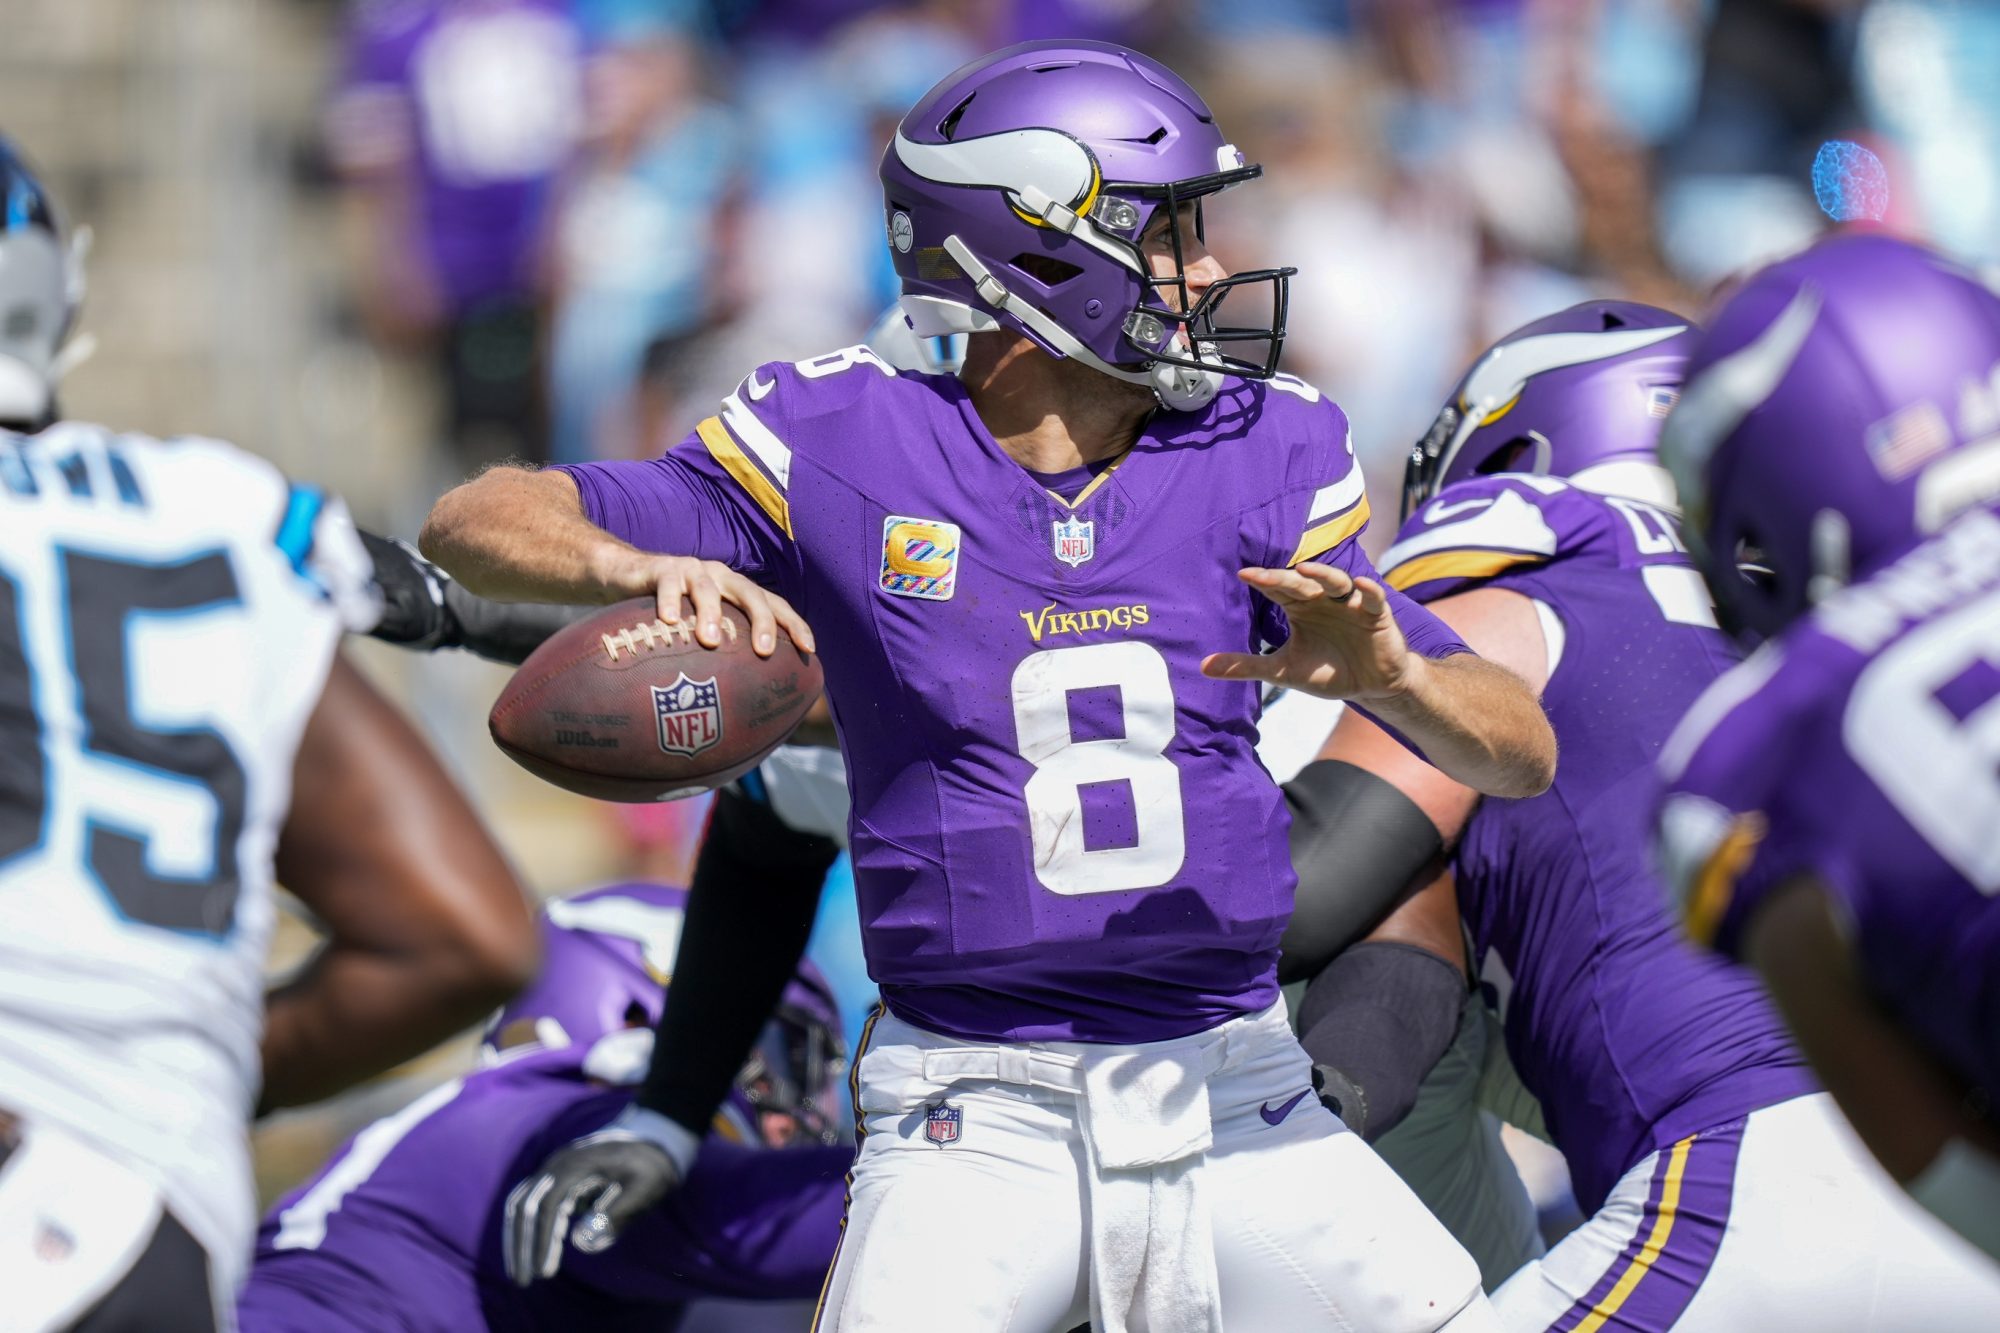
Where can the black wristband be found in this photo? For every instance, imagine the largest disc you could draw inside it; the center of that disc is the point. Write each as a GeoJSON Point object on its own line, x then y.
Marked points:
{"type": "Point", "coordinates": [1376, 1020]}
{"type": "Point", "coordinates": [750, 909]}
{"type": "Point", "coordinates": [1357, 844]}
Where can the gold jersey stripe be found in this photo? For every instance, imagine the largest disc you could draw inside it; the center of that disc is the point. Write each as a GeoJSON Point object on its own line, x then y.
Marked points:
{"type": "Point", "coordinates": [1642, 1262]}
{"type": "Point", "coordinates": [1457, 565]}
{"type": "Point", "coordinates": [1095, 481]}
{"type": "Point", "coordinates": [1715, 882]}
{"type": "Point", "coordinates": [1323, 538]}
{"type": "Point", "coordinates": [723, 448]}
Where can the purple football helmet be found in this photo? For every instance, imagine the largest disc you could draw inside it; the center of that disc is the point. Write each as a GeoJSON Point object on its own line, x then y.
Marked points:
{"type": "Point", "coordinates": [1844, 404]}
{"type": "Point", "coordinates": [1017, 192]}
{"type": "Point", "coordinates": [607, 957]}
{"type": "Point", "coordinates": [1578, 394]}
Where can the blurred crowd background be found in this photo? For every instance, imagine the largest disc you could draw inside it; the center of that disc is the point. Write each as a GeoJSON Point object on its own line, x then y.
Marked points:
{"type": "Point", "coordinates": [389, 241]}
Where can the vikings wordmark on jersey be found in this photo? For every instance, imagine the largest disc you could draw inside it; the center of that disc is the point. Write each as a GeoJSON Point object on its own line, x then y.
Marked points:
{"type": "Point", "coordinates": [1060, 830]}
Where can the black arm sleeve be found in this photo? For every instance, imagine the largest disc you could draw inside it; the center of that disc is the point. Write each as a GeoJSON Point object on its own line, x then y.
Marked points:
{"type": "Point", "coordinates": [1357, 844]}
{"type": "Point", "coordinates": [750, 909]}
{"type": "Point", "coordinates": [424, 609]}
{"type": "Point", "coordinates": [504, 631]}
{"type": "Point", "coordinates": [1374, 1023]}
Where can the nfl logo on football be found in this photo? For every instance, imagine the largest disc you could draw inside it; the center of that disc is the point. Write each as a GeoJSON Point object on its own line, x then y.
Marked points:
{"type": "Point", "coordinates": [1075, 542]}
{"type": "Point", "coordinates": [690, 714]}
{"type": "Point", "coordinates": [941, 1124]}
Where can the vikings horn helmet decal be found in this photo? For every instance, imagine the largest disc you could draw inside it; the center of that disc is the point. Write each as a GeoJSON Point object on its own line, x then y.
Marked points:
{"type": "Point", "coordinates": [1844, 404]}
{"type": "Point", "coordinates": [1579, 394]}
{"type": "Point", "coordinates": [1025, 182]}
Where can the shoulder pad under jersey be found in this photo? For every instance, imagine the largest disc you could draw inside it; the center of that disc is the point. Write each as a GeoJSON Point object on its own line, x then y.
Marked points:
{"type": "Point", "coordinates": [783, 407]}
{"type": "Point", "coordinates": [1481, 527]}
{"type": "Point", "coordinates": [1292, 442]}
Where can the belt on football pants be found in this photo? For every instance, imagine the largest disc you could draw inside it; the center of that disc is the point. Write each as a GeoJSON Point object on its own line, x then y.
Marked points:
{"type": "Point", "coordinates": [1145, 1119]}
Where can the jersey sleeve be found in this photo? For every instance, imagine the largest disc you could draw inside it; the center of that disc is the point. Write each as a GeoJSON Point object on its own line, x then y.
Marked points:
{"type": "Point", "coordinates": [1719, 838]}
{"type": "Point", "coordinates": [721, 494]}
{"type": "Point", "coordinates": [1475, 531]}
{"type": "Point", "coordinates": [1325, 506]}
{"type": "Point", "coordinates": [333, 558]}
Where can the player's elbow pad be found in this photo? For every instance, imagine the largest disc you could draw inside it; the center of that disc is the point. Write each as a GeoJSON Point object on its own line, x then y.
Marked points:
{"type": "Point", "coordinates": [1358, 844]}
{"type": "Point", "coordinates": [1375, 1022]}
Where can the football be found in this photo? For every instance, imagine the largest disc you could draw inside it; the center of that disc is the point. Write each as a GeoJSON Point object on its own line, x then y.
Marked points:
{"type": "Point", "coordinates": [624, 706]}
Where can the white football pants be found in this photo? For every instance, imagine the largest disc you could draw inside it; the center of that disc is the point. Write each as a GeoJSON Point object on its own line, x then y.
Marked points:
{"type": "Point", "coordinates": [73, 1222]}
{"type": "Point", "coordinates": [1780, 1220]}
{"type": "Point", "coordinates": [1176, 1187]}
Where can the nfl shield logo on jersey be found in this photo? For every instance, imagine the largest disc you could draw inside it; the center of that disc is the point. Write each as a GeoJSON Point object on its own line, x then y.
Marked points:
{"type": "Point", "coordinates": [1075, 541]}
{"type": "Point", "coordinates": [689, 713]}
{"type": "Point", "coordinates": [941, 1123]}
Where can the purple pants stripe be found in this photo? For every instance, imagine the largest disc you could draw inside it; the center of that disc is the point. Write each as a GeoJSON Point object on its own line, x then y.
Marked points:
{"type": "Point", "coordinates": [1656, 1275]}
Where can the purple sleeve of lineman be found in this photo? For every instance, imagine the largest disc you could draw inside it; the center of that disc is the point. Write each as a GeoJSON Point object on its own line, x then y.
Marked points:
{"type": "Point", "coordinates": [1426, 634]}
{"type": "Point", "coordinates": [749, 1223]}
{"type": "Point", "coordinates": [683, 503]}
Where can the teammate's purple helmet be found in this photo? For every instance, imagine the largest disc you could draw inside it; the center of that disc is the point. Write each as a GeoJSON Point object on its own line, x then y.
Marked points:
{"type": "Point", "coordinates": [1844, 404]}
{"type": "Point", "coordinates": [607, 958]}
{"type": "Point", "coordinates": [1583, 389]}
{"type": "Point", "coordinates": [1017, 192]}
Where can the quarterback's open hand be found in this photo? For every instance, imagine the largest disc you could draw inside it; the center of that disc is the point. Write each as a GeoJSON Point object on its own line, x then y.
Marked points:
{"type": "Point", "coordinates": [603, 1180]}
{"type": "Point", "coordinates": [1345, 643]}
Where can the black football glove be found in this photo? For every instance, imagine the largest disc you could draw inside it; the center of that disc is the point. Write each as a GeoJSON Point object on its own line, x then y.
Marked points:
{"type": "Point", "coordinates": [605, 1180]}
{"type": "Point", "coordinates": [425, 610]}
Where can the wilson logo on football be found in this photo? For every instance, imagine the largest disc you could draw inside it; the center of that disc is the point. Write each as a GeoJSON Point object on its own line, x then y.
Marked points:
{"type": "Point", "coordinates": [689, 714]}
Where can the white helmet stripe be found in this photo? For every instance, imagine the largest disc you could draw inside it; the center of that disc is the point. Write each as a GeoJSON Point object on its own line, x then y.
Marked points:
{"type": "Point", "coordinates": [1017, 161]}
{"type": "Point", "coordinates": [1717, 399]}
{"type": "Point", "coordinates": [1505, 371]}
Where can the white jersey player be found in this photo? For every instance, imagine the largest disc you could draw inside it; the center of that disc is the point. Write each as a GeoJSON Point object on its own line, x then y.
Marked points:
{"type": "Point", "coordinates": [169, 618]}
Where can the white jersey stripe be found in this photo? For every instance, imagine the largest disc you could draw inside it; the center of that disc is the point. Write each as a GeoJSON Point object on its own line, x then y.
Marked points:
{"type": "Point", "coordinates": [755, 436]}
{"type": "Point", "coordinates": [1330, 500]}
{"type": "Point", "coordinates": [1510, 523]}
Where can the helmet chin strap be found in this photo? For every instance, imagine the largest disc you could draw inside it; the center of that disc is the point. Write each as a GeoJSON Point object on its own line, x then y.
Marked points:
{"type": "Point", "coordinates": [1178, 388]}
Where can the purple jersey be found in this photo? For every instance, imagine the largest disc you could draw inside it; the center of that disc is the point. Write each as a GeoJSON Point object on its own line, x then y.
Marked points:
{"type": "Point", "coordinates": [1631, 1039]}
{"type": "Point", "coordinates": [401, 1231]}
{"type": "Point", "coordinates": [479, 102]}
{"type": "Point", "coordinates": [1060, 828]}
{"type": "Point", "coordinates": [1888, 696]}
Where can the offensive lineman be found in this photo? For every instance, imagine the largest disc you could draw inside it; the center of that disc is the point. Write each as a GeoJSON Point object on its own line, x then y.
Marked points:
{"type": "Point", "coordinates": [401, 1228]}
{"type": "Point", "coordinates": [1072, 869]}
{"type": "Point", "coordinates": [1725, 1191]}
{"type": "Point", "coordinates": [1833, 803]}
{"type": "Point", "coordinates": [176, 730]}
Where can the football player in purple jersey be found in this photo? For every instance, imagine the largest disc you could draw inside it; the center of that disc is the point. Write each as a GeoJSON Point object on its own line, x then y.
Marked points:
{"type": "Point", "coordinates": [1833, 803]}
{"type": "Point", "coordinates": [1725, 1191]}
{"type": "Point", "coordinates": [403, 1230]}
{"type": "Point", "coordinates": [1072, 870]}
